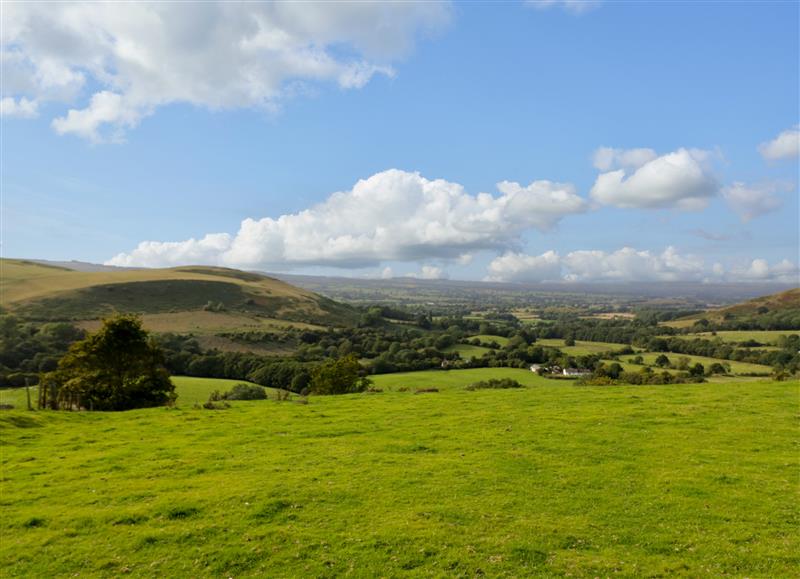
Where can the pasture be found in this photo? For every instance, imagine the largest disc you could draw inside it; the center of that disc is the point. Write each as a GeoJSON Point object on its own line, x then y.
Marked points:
{"type": "Point", "coordinates": [190, 390]}
{"type": "Point", "coordinates": [581, 348]}
{"type": "Point", "coordinates": [549, 480]}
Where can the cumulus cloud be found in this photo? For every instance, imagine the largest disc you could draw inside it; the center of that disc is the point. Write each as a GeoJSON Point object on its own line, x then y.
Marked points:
{"type": "Point", "coordinates": [392, 216]}
{"type": "Point", "coordinates": [429, 272]}
{"type": "Point", "coordinates": [217, 55]}
{"type": "Point", "coordinates": [21, 108]}
{"type": "Point", "coordinates": [784, 146]}
{"type": "Point", "coordinates": [573, 6]}
{"type": "Point", "coordinates": [608, 158]}
{"type": "Point", "coordinates": [624, 265]}
{"type": "Point", "coordinates": [751, 201]}
{"type": "Point", "coordinates": [528, 268]}
{"type": "Point", "coordinates": [759, 270]}
{"type": "Point", "coordinates": [681, 179]}
{"type": "Point", "coordinates": [632, 265]}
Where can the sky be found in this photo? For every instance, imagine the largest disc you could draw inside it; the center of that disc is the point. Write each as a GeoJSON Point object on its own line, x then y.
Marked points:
{"type": "Point", "coordinates": [515, 141]}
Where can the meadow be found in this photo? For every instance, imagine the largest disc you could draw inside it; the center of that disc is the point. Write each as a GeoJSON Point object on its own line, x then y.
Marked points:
{"type": "Point", "coordinates": [550, 480]}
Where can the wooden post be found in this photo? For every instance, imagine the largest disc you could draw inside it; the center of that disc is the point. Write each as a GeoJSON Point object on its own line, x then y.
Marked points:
{"type": "Point", "coordinates": [28, 392]}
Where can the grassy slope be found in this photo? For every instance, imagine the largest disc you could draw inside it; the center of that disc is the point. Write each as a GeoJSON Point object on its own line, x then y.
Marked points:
{"type": "Point", "coordinates": [171, 299]}
{"type": "Point", "coordinates": [781, 301]}
{"type": "Point", "coordinates": [547, 481]}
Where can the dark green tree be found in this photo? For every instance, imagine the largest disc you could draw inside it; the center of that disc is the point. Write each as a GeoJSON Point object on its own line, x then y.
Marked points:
{"type": "Point", "coordinates": [117, 368]}
{"type": "Point", "coordinates": [339, 376]}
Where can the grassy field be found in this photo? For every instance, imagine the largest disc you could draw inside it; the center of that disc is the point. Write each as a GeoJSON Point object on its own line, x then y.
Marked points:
{"type": "Point", "coordinates": [551, 480]}
{"type": "Point", "coordinates": [762, 336]}
{"type": "Point", "coordinates": [189, 389]}
{"type": "Point", "coordinates": [455, 379]}
{"type": "Point", "coordinates": [580, 348]}
{"type": "Point", "coordinates": [487, 338]}
{"type": "Point", "coordinates": [736, 367]}
{"type": "Point", "coordinates": [467, 351]}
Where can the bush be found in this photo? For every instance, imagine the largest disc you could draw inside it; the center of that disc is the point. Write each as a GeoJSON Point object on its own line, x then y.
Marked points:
{"type": "Point", "coordinates": [495, 384]}
{"type": "Point", "coordinates": [246, 392]}
{"type": "Point", "coordinates": [340, 376]}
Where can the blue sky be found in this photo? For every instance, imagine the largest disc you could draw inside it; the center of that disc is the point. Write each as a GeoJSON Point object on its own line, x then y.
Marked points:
{"type": "Point", "coordinates": [477, 94]}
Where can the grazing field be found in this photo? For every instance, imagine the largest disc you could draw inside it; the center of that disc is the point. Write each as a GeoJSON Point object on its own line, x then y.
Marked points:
{"type": "Point", "coordinates": [551, 480]}
{"type": "Point", "coordinates": [467, 351]}
{"type": "Point", "coordinates": [488, 338]}
{"type": "Point", "coordinates": [736, 367]}
{"type": "Point", "coordinates": [189, 389]}
{"type": "Point", "coordinates": [580, 348]}
{"type": "Point", "coordinates": [455, 379]}
{"type": "Point", "coordinates": [735, 336]}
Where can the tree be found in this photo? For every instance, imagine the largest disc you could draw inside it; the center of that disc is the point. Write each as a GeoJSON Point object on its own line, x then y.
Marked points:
{"type": "Point", "coordinates": [662, 361]}
{"type": "Point", "coordinates": [117, 368]}
{"type": "Point", "coordinates": [339, 376]}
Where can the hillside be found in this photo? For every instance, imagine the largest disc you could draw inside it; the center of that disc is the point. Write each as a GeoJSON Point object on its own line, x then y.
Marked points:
{"type": "Point", "coordinates": [182, 299]}
{"type": "Point", "coordinates": [781, 309]}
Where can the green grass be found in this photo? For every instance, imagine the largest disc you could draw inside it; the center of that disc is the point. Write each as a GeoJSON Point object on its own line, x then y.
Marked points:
{"type": "Point", "coordinates": [487, 338]}
{"type": "Point", "coordinates": [189, 389]}
{"type": "Point", "coordinates": [762, 336]}
{"type": "Point", "coordinates": [552, 480]}
{"type": "Point", "coordinates": [454, 379]}
{"type": "Point", "coordinates": [467, 351]}
{"type": "Point", "coordinates": [581, 348]}
{"type": "Point", "coordinates": [736, 367]}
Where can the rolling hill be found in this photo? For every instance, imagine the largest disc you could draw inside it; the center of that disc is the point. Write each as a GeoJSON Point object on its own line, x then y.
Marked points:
{"type": "Point", "coordinates": [784, 304]}
{"type": "Point", "coordinates": [182, 299]}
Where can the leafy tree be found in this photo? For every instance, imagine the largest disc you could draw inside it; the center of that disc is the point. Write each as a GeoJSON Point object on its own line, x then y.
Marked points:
{"type": "Point", "coordinates": [117, 368]}
{"type": "Point", "coordinates": [662, 361]}
{"type": "Point", "coordinates": [339, 376]}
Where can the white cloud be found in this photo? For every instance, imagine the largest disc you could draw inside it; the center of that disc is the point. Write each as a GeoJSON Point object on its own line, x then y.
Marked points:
{"type": "Point", "coordinates": [681, 179]}
{"type": "Point", "coordinates": [21, 108]}
{"type": "Point", "coordinates": [525, 268]}
{"type": "Point", "coordinates": [392, 216]}
{"type": "Point", "coordinates": [759, 270]}
{"type": "Point", "coordinates": [628, 264]}
{"type": "Point", "coordinates": [574, 6]}
{"type": "Point", "coordinates": [624, 265]}
{"type": "Point", "coordinates": [632, 265]}
{"type": "Point", "coordinates": [429, 272]}
{"type": "Point", "coordinates": [217, 55]}
{"type": "Point", "coordinates": [784, 146]}
{"type": "Point", "coordinates": [750, 201]}
{"type": "Point", "coordinates": [608, 159]}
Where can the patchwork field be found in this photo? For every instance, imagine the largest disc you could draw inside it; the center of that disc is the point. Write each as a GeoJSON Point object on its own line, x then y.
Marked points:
{"type": "Point", "coordinates": [550, 480]}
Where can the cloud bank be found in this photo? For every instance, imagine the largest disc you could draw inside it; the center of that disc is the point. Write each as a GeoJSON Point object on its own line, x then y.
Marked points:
{"type": "Point", "coordinates": [629, 265]}
{"type": "Point", "coordinates": [639, 179]}
{"type": "Point", "coordinates": [392, 216]}
{"type": "Point", "coordinates": [784, 146]}
{"type": "Point", "coordinates": [220, 55]}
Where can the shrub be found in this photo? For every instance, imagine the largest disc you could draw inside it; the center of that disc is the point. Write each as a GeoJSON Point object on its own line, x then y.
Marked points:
{"type": "Point", "coordinates": [340, 376]}
{"type": "Point", "coordinates": [246, 392]}
{"type": "Point", "coordinates": [425, 390]}
{"type": "Point", "coordinates": [495, 384]}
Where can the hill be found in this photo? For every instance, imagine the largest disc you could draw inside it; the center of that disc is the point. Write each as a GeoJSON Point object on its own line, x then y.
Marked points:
{"type": "Point", "coordinates": [181, 299]}
{"type": "Point", "coordinates": [774, 311]}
